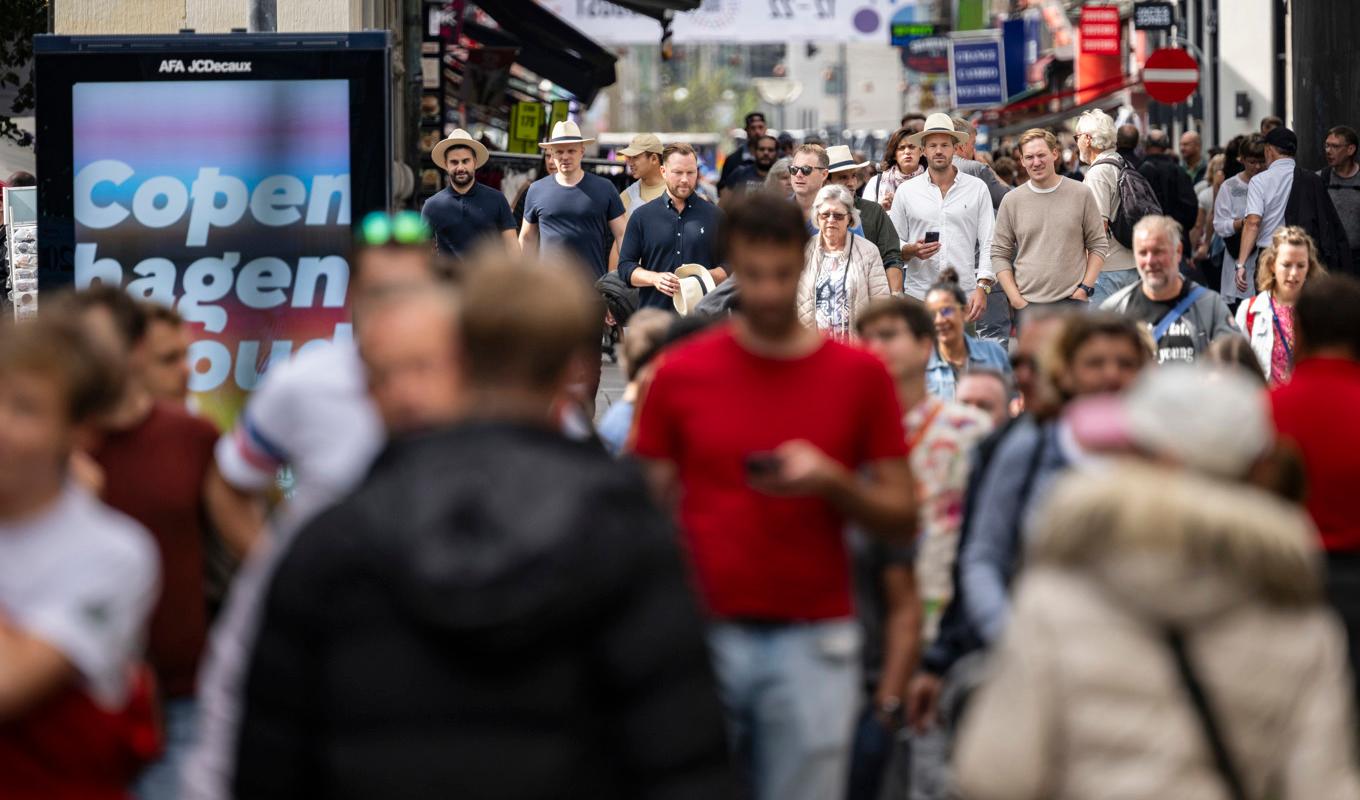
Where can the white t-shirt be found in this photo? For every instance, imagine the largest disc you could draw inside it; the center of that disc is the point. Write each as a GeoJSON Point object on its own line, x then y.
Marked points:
{"type": "Point", "coordinates": [82, 578]}
{"type": "Point", "coordinates": [312, 413]}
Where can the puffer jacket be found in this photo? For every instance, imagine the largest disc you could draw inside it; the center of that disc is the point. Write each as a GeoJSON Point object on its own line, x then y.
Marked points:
{"type": "Point", "coordinates": [497, 612]}
{"type": "Point", "coordinates": [1084, 699]}
{"type": "Point", "coordinates": [866, 280]}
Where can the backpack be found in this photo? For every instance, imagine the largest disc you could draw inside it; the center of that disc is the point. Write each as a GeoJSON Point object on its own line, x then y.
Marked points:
{"type": "Point", "coordinates": [1136, 200]}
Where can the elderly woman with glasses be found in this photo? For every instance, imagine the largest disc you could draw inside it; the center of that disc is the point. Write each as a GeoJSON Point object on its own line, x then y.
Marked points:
{"type": "Point", "coordinates": [842, 270]}
{"type": "Point", "coordinates": [956, 353]}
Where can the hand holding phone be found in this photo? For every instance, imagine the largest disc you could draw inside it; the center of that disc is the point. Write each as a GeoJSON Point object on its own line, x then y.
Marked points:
{"type": "Point", "coordinates": [932, 236]}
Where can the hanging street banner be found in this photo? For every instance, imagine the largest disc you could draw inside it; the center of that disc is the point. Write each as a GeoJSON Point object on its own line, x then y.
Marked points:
{"type": "Point", "coordinates": [734, 21]}
{"type": "Point", "coordinates": [977, 68]}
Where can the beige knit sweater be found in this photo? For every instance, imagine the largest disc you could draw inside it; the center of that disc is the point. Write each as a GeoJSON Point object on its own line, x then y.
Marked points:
{"type": "Point", "coordinates": [1044, 237]}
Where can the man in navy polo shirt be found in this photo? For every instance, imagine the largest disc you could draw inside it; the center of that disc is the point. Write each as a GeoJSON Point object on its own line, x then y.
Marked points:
{"type": "Point", "coordinates": [466, 212]}
{"type": "Point", "coordinates": [679, 227]}
{"type": "Point", "coordinates": [572, 212]}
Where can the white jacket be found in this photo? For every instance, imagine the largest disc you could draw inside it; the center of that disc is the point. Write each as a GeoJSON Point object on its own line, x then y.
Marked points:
{"type": "Point", "coordinates": [1084, 700]}
{"type": "Point", "coordinates": [1261, 334]}
{"type": "Point", "coordinates": [866, 278]}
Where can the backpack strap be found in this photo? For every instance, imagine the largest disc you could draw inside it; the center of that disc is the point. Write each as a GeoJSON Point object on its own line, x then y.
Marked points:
{"type": "Point", "coordinates": [1213, 735]}
{"type": "Point", "coordinates": [1176, 313]}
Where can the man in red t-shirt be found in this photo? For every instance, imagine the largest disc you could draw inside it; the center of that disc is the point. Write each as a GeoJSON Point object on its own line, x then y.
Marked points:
{"type": "Point", "coordinates": [1316, 411]}
{"type": "Point", "coordinates": [154, 460]}
{"type": "Point", "coordinates": [773, 438]}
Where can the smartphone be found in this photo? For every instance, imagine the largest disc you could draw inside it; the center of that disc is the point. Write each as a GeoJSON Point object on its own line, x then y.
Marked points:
{"type": "Point", "coordinates": [762, 465]}
{"type": "Point", "coordinates": [932, 236]}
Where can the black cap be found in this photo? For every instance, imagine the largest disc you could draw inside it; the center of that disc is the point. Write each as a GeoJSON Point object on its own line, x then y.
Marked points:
{"type": "Point", "coordinates": [1283, 139]}
{"type": "Point", "coordinates": [784, 137]}
{"type": "Point", "coordinates": [753, 116]}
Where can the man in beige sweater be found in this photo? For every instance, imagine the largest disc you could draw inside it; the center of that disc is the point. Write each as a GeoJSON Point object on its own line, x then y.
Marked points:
{"type": "Point", "coordinates": [1049, 242]}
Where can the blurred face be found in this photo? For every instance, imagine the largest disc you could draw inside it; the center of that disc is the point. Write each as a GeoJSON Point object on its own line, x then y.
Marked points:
{"type": "Point", "coordinates": [806, 175]}
{"type": "Point", "coordinates": [411, 356]}
{"type": "Point", "coordinates": [681, 174]}
{"type": "Point", "coordinates": [755, 129]}
{"type": "Point", "coordinates": [1339, 152]}
{"type": "Point", "coordinates": [1158, 261]}
{"type": "Point", "coordinates": [891, 340]}
{"type": "Point", "coordinates": [461, 165]}
{"type": "Point", "coordinates": [383, 269]}
{"type": "Point", "coordinates": [769, 283]}
{"type": "Point", "coordinates": [948, 315]}
{"type": "Point", "coordinates": [642, 166]}
{"type": "Point", "coordinates": [568, 157]}
{"type": "Point", "coordinates": [165, 360]}
{"type": "Point", "coordinates": [1086, 151]}
{"type": "Point", "coordinates": [1038, 159]}
{"type": "Point", "coordinates": [833, 220]}
{"type": "Point", "coordinates": [1190, 147]}
{"type": "Point", "coordinates": [939, 149]}
{"type": "Point", "coordinates": [549, 164]}
{"type": "Point", "coordinates": [767, 152]}
{"type": "Point", "coordinates": [986, 393]}
{"type": "Point", "coordinates": [36, 438]}
{"type": "Point", "coordinates": [908, 157]}
{"type": "Point", "coordinates": [1252, 166]}
{"type": "Point", "coordinates": [1102, 365]}
{"type": "Point", "coordinates": [785, 182]}
{"type": "Point", "coordinates": [102, 329]}
{"type": "Point", "coordinates": [1035, 338]}
{"type": "Point", "coordinates": [1291, 271]}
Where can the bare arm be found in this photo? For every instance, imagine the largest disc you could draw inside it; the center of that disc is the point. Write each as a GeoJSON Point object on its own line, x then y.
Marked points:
{"type": "Point", "coordinates": [1094, 261]}
{"type": "Point", "coordinates": [528, 239]}
{"type": "Point", "coordinates": [1006, 278]}
{"type": "Point", "coordinates": [618, 225]}
{"type": "Point", "coordinates": [31, 670]}
{"type": "Point", "coordinates": [664, 282]}
{"type": "Point", "coordinates": [1251, 230]}
{"type": "Point", "coordinates": [895, 277]}
{"type": "Point", "coordinates": [511, 242]}
{"type": "Point", "coordinates": [901, 633]}
{"type": "Point", "coordinates": [237, 516]}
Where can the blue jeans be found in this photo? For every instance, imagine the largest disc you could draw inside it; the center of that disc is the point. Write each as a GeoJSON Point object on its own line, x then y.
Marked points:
{"type": "Point", "coordinates": [792, 693]}
{"type": "Point", "coordinates": [160, 781]}
{"type": "Point", "coordinates": [1110, 282]}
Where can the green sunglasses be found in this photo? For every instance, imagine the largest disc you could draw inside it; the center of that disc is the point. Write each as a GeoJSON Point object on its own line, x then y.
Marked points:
{"type": "Point", "coordinates": [404, 227]}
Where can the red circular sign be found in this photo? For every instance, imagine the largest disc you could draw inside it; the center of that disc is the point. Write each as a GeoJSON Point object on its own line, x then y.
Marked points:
{"type": "Point", "coordinates": [1170, 75]}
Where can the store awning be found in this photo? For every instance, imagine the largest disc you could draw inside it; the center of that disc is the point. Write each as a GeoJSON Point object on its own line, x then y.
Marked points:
{"type": "Point", "coordinates": [548, 47]}
{"type": "Point", "coordinates": [1036, 111]}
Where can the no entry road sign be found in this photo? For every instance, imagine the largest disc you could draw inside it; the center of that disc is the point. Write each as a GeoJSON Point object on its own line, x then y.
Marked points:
{"type": "Point", "coordinates": [1171, 75]}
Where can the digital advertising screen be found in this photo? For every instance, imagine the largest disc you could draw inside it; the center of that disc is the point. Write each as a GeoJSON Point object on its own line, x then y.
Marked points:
{"type": "Point", "coordinates": [225, 185]}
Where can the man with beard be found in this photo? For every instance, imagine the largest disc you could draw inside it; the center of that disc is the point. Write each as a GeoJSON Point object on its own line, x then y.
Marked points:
{"type": "Point", "coordinates": [466, 212]}
{"type": "Point", "coordinates": [677, 228]}
{"type": "Point", "coordinates": [751, 176]}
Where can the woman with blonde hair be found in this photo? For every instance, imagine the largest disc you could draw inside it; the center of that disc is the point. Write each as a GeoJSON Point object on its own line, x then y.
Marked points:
{"type": "Point", "coordinates": [842, 270]}
{"type": "Point", "coordinates": [1267, 319]}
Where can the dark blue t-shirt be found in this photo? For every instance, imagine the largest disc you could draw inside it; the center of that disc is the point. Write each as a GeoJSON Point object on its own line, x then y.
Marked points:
{"type": "Point", "coordinates": [459, 221]}
{"type": "Point", "coordinates": [660, 240]}
{"type": "Point", "coordinates": [575, 218]}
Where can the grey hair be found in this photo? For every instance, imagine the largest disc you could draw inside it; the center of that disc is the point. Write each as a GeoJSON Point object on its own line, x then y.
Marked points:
{"type": "Point", "coordinates": [1162, 224]}
{"type": "Point", "coordinates": [780, 169]}
{"type": "Point", "coordinates": [1101, 127]}
{"type": "Point", "coordinates": [835, 193]}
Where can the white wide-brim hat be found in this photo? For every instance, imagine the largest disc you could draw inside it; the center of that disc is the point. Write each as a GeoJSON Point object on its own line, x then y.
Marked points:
{"type": "Point", "coordinates": [938, 123]}
{"type": "Point", "coordinates": [842, 160]}
{"type": "Point", "coordinates": [459, 138]}
{"type": "Point", "coordinates": [695, 282]}
{"type": "Point", "coordinates": [565, 132]}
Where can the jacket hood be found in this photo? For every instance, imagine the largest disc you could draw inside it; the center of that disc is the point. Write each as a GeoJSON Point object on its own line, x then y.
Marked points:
{"type": "Point", "coordinates": [1176, 547]}
{"type": "Point", "coordinates": [496, 532]}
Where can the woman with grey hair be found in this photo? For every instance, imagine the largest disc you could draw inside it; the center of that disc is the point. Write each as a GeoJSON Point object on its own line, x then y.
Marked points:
{"type": "Point", "coordinates": [778, 177]}
{"type": "Point", "coordinates": [842, 271]}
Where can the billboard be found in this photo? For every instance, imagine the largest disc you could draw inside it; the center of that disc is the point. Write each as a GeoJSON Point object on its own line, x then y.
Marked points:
{"type": "Point", "coordinates": [222, 183]}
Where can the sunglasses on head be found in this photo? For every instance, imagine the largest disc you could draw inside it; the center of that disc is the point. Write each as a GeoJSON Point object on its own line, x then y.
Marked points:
{"type": "Point", "coordinates": [804, 170]}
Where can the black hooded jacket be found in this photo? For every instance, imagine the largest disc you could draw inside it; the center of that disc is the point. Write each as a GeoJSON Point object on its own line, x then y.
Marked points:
{"type": "Point", "coordinates": [497, 612]}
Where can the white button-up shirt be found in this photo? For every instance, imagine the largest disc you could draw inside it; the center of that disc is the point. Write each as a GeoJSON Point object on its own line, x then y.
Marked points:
{"type": "Point", "coordinates": [1268, 194]}
{"type": "Point", "coordinates": [964, 218]}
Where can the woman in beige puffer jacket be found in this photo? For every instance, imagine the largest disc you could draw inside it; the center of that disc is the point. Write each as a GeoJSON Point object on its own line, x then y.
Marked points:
{"type": "Point", "coordinates": [1084, 699]}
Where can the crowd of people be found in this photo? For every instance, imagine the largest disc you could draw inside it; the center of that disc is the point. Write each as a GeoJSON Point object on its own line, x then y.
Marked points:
{"type": "Point", "coordinates": [960, 479]}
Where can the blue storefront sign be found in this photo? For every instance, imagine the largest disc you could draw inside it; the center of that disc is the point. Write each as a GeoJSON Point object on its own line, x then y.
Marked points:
{"type": "Point", "coordinates": [977, 67]}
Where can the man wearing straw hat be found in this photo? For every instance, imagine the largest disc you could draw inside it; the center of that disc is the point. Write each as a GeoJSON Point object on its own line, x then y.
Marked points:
{"type": "Point", "coordinates": [572, 212]}
{"type": "Point", "coordinates": [465, 212]}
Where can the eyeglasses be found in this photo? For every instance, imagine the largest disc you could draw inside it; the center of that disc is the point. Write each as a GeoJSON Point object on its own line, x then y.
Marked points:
{"type": "Point", "coordinates": [832, 215]}
{"type": "Point", "coordinates": [404, 227]}
{"type": "Point", "coordinates": [804, 170]}
{"type": "Point", "coordinates": [947, 312]}
{"type": "Point", "coordinates": [1335, 145]}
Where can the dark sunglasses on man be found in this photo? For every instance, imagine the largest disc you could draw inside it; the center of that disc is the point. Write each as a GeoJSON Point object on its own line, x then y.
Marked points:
{"type": "Point", "coordinates": [804, 171]}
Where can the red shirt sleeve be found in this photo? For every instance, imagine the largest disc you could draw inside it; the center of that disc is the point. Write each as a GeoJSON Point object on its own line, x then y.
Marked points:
{"type": "Point", "coordinates": [884, 436]}
{"type": "Point", "coordinates": [652, 435]}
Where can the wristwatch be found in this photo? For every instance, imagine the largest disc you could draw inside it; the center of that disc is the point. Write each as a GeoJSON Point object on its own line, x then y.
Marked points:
{"type": "Point", "coordinates": [985, 287]}
{"type": "Point", "coordinates": [1090, 290]}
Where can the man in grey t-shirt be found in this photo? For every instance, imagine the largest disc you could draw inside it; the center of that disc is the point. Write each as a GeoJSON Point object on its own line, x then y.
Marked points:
{"type": "Point", "coordinates": [1342, 176]}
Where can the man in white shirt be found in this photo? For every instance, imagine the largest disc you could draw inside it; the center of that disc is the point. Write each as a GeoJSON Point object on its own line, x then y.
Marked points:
{"type": "Point", "coordinates": [944, 218]}
{"type": "Point", "coordinates": [1267, 196]}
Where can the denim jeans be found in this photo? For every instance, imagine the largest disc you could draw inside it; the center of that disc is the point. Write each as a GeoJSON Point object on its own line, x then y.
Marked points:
{"type": "Point", "coordinates": [792, 693]}
{"type": "Point", "coordinates": [1110, 282]}
{"type": "Point", "coordinates": [160, 781]}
